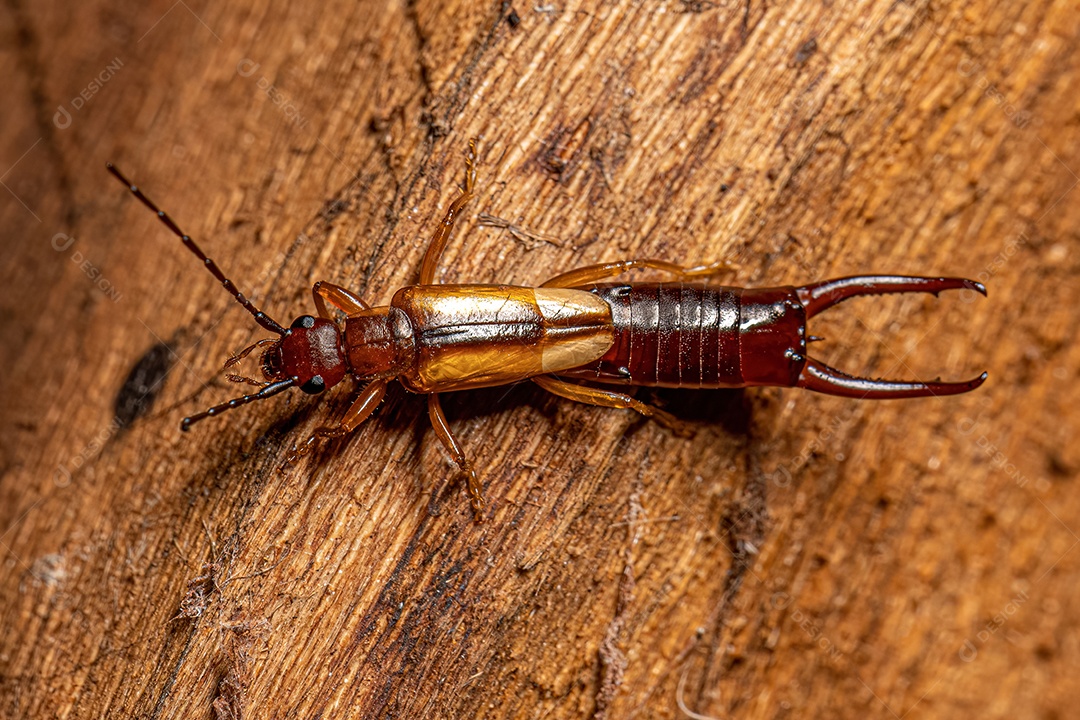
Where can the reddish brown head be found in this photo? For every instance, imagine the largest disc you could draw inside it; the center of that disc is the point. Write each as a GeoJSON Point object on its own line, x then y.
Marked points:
{"type": "Point", "coordinates": [310, 354]}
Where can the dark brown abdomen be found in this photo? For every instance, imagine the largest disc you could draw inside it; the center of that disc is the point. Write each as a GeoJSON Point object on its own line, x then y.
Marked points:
{"type": "Point", "coordinates": [700, 336]}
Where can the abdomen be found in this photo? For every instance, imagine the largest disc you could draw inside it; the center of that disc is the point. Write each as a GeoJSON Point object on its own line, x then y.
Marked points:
{"type": "Point", "coordinates": [700, 336]}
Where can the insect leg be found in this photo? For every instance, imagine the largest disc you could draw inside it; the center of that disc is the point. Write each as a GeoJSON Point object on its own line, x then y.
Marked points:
{"type": "Point", "coordinates": [595, 273]}
{"type": "Point", "coordinates": [337, 296]}
{"type": "Point", "coordinates": [610, 398]}
{"type": "Point", "coordinates": [442, 430]}
{"type": "Point", "coordinates": [361, 409]}
{"type": "Point", "coordinates": [442, 233]}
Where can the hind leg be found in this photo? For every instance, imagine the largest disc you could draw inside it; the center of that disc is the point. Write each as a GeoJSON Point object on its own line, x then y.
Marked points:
{"type": "Point", "coordinates": [610, 398]}
{"type": "Point", "coordinates": [595, 273]}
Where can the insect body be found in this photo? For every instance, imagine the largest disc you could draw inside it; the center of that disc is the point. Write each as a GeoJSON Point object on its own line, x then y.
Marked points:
{"type": "Point", "coordinates": [437, 338]}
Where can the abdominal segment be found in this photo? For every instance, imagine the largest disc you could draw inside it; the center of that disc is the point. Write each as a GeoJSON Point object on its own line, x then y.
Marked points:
{"type": "Point", "coordinates": [699, 336]}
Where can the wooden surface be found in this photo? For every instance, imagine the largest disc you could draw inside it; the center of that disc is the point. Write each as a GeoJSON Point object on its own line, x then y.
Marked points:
{"type": "Point", "coordinates": [800, 556]}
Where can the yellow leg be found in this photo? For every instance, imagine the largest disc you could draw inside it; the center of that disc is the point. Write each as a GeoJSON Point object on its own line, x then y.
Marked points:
{"type": "Point", "coordinates": [610, 398]}
{"type": "Point", "coordinates": [442, 430]}
{"type": "Point", "coordinates": [339, 297]}
{"type": "Point", "coordinates": [361, 409]}
{"type": "Point", "coordinates": [595, 273]}
{"type": "Point", "coordinates": [442, 233]}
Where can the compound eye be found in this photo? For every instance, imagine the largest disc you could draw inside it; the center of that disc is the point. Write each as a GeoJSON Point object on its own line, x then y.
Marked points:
{"type": "Point", "coordinates": [314, 386]}
{"type": "Point", "coordinates": [303, 322]}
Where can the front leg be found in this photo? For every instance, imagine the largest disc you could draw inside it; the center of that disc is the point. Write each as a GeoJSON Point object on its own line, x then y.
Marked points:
{"type": "Point", "coordinates": [361, 410]}
{"type": "Point", "coordinates": [344, 300]}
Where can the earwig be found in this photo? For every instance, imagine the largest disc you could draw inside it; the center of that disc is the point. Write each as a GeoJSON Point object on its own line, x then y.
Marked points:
{"type": "Point", "coordinates": [570, 330]}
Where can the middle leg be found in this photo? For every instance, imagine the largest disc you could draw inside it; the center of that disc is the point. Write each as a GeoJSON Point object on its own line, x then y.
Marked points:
{"type": "Point", "coordinates": [442, 430]}
{"type": "Point", "coordinates": [442, 233]}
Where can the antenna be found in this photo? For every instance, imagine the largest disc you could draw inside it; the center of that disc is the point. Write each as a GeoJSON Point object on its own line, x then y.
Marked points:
{"type": "Point", "coordinates": [260, 317]}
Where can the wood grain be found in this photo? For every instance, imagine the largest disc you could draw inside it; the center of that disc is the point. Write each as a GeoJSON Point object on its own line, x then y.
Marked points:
{"type": "Point", "coordinates": [800, 556]}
